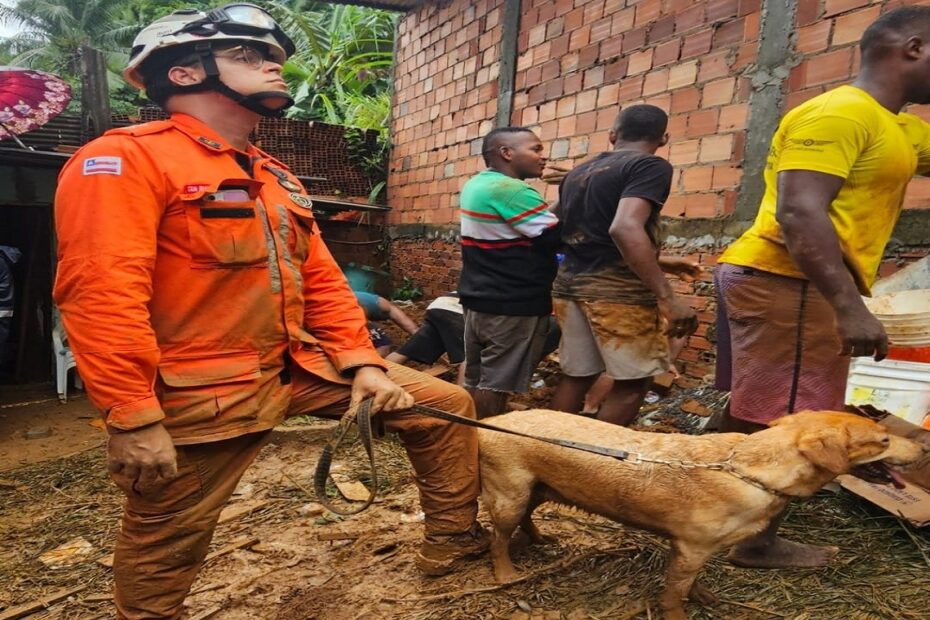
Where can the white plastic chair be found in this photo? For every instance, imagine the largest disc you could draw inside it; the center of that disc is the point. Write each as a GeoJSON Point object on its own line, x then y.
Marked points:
{"type": "Point", "coordinates": [64, 361]}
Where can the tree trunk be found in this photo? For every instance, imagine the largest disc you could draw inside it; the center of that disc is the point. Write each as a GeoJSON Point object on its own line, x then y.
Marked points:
{"type": "Point", "coordinates": [95, 93]}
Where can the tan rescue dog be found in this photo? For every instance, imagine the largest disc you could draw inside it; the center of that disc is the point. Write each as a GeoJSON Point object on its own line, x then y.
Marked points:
{"type": "Point", "coordinates": [700, 510]}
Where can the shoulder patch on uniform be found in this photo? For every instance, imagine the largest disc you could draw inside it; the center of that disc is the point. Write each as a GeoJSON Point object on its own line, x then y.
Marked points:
{"type": "Point", "coordinates": [213, 144]}
{"type": "Point", "coordinates": [103, 164]}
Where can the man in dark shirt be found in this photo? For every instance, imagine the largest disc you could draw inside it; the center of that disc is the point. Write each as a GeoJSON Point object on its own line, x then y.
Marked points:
{"type": "Point", "coordinates": [612, 300]}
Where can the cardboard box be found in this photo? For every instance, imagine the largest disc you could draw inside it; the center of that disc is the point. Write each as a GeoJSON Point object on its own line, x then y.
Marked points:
{"type": "Point", "coordinates": [912, 503]}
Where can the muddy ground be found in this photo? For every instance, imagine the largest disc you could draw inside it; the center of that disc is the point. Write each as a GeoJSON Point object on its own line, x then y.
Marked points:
{"type": "Point", "coordinates": [278, 555]}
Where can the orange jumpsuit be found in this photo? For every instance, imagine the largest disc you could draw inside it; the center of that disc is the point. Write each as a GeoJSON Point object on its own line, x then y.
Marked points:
{"type": "Point", "coordinates": [196, 291]}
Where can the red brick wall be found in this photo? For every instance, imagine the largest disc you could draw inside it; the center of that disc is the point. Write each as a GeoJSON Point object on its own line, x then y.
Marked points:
{"type": "Point", "coordinates": [445, 97]}
{"type": "Point", "coordinates": [582, 60]}
{"type": "Point", "coordinates": [579, 61]}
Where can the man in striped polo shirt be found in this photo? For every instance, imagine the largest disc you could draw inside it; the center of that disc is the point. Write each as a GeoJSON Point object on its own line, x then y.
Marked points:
{"type": "Point", "coordinates": [509, 240]}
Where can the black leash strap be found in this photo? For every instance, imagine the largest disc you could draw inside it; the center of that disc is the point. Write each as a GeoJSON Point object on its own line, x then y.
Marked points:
{"type": "Point", "coordinates": [362, 416]}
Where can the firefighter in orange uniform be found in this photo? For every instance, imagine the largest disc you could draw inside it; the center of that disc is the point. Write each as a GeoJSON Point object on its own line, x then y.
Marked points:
{"type": "Point", "coordinates": [203, 308]}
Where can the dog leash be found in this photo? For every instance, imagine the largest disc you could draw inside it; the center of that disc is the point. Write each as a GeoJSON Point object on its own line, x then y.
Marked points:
{"type": "Point", "coordinates": [361, 415]}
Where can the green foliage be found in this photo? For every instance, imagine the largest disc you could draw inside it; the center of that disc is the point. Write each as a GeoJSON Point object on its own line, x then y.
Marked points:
{"type": "Point", "coordinates": [370, 153]}
{"type": "Point", "coordinates": [408, 291]}
{"type": "Point", "coordinates": [341, 73]}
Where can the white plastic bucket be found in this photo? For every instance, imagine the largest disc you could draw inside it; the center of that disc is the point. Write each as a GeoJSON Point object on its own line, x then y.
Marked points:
{"type": "Point", "coordinates": [901, 388]}
{"type": "Point", "coordinates": [905, 315]}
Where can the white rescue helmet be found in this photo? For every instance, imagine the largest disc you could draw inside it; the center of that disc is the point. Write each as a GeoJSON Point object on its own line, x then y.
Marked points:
{"type": "Point", "coordinates": [232, 22]}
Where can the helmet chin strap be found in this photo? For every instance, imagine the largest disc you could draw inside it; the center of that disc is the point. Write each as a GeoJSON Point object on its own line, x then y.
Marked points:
{"type": "Point", "coordinates": [251, 102]}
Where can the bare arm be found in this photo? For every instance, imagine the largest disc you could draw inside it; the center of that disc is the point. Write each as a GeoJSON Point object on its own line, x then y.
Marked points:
{"type": "Point", "coordinates": [628, 231]}
{"type": "Point", "coordinates": [397, 315]}
{"type": "Point", "coordinates": [804, 199]}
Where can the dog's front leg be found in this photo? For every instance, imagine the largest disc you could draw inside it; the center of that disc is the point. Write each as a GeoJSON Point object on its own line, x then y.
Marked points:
{"type": "Point", "coordinates": [684, 562]}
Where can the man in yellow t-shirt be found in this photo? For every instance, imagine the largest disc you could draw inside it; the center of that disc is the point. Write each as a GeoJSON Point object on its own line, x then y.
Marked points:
{"type": "Point", "coordinates": [789, 304]}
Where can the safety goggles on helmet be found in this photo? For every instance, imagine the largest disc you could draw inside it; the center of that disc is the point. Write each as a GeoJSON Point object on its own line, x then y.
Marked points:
{"type": "Point", "coordinates": [239, 19]}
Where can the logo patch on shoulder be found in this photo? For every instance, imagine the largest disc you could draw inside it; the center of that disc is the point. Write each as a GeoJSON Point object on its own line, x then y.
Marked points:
{"type": "Point", "coordinates": [103, 165]}
{"type": "Point", "coordinates": [300, 200]}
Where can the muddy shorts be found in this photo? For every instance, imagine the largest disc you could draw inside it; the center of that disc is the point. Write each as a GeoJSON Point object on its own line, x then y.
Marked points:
{"type": "Point", "coordinates": [623, 340]}
{"type": "Point", "coordinates": [777, 346]}
{"type": "Point", "coordinates": [501, 352]}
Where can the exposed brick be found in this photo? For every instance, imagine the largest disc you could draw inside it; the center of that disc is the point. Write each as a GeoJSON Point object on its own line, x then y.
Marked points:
{"type": "Point", "coordinates": [685, 152]}
{"type": "Point", "coordinates": [685, 99]}
{"type": "Point", "coordinates": [702, 123]}
{"type": "Point", "coordinates": [729, 33]}
{"type": "Point", "coordinates": [814, 38]}
{"type": "Point", "coordinates": [548, 111]}
{"type": "Point", "coordinates": [697, 44]}
{"type": "Point", "coordinates": [718, 92]}
{"type": "Point", "coordinates": [749, 6]}
{"type": "Point", "coordinates": [677, 126]}
{"type": "Point", "coordinates": [721, 9]}
{"type": "Point", "coordinates": [622, 21]}
{"type": "Point", "coordinates": [593, 10]}
{"type": "Point", "coordinates": [550, 70]}
{"type": "Point", "coordinates": [611, 48]}
{"type": "Point", "coordinates": [647, 11]}
{"type": "Point", "coordinates": [674, 206]}
{"type": "Point", "coordinates": [616, 69]}
{"type": "Point", "coordinates": [586, 123]}
{"type": "Point", "coordinates": [733, 117]}
{"type": "Point", "coordinates": [666, 53]}
{"type": "Point", "coordinates": [661, 29]}
{"type": "Point", "coordinates": [574, 19]}
{"type": "Point", "coordinates": [606, 118]}
{"type": "Point", "coordinates": [569, 63]}
{"type": "Point", "coordinates": [594, 77]}
{"type": "Point", "coordinates": [529, 116]}
{"type": "Point", "coordinates": [600, 29]}
{"type": "Point", "coordinates": [834, 7]}
{"type": "Point", "coordinates": [716, 148]}
{"type": "Point", "coordinates": [586, 101]}
{"type": "Point", "coordinates": [700, 205]}
{"type": "Point", "coordinates": [690, 18]}
{"type": "Point", "coordinates": [634, 40]}
{"type": "Point", "coordinates": [714, 66]}
{"type": "Point", "coordinates": [850, 27]}
{"type": "Point", "coordinates": [537, 35]}
{"type": "Point", "coordinates": [640, 62]}
{"type": "Point", "coordinates": [608, 95]}
{"type": "Point", "coordinates": [829, 67]}
{"type": "Point", "coordinates": [579, 38]}
{"type": "Point", "coordinates": [807, 12]}
{"type": "Point", "coordinates": [655, 82]}
{"type": "Point", "coordinates": [555, 28]}
{"type": "Point", "coordinates": [697, 178]}
{"type": "Point", "coordinates": [726, 177]}
{"type": "Point", "coordinates": [559, 46]}
{"type": "Point", "coordinates": [682, 74]}
{"type": "Point", "coordinates": [565, 106]}
{"type": "Point", "coordinates": [632, 88]}
{"type": "Point", "coordinates": [589, 55]}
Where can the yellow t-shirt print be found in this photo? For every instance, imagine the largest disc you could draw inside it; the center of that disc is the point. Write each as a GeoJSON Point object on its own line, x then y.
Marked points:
{"type": "Point", "coordinates": [845, 133]}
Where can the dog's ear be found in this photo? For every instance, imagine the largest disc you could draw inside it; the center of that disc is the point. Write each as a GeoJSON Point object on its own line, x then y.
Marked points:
{"type": "Point", "coordinates": [826, 448]}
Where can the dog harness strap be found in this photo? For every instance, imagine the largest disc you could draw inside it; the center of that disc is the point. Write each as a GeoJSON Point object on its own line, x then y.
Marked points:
{"type": "Point", "coordinates": [361, 415]}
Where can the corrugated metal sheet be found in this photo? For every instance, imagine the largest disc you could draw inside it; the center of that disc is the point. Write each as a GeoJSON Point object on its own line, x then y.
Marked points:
{"type": "Point", "coordinates": [391, 5]}
{"type": "Point", "coordinates": [64, 130]}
